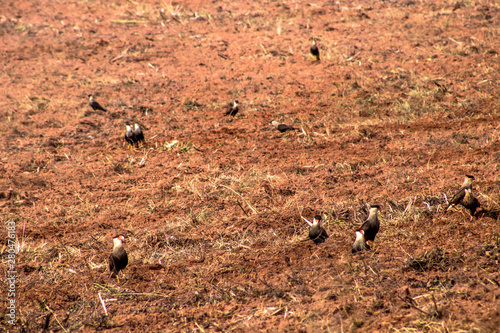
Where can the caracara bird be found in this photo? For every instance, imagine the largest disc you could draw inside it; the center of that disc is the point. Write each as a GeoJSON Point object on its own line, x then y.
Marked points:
{"type": "Point", "coordinates": [470, 202]}
{"type": "Point", "coordinates": [459, 196]}
{"type": "Point", "coordinates": [94, 104]}
{"type": "Point", "coordinates": [316, 232]}
{"type": "Point", "coordinates": [130, 136]}
{"type": "Point", "coordinates": [118, 258]}
{"type": "Point", "coordinates": [315, 50]}
{"type": "Point", "coordinates": [138, 134]}
{"type": "Point", "coordinates": [233, 110]}
{"type": "Point", "coordinates": [360, 242]}
{"type": "Point", "coordinates": [368, 230]}
{"type": "Point", "coordinates": [282, 127]}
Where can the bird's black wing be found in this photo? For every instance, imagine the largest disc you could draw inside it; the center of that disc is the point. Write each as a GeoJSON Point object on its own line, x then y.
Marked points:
{"type": "Point", "coordinates": [315, 51]}
{"type": "Point", "coordinates": [324, 235]}
{"type": "Point", "coordinates": [314, 232]}
{"type": "Point", "coordinates": [129, 139]}
{"type": "Point", "coordinates": [232, 111]}
{"type": "Point", "coordinates": [282, 128]}
{"type": "Point", "coordinates": [320, 236]}
{"type": "Point", "coordinates": [139, 136]}
{"type": "Point", "coordinates": [112, 264]}
{"type": "Point", "coordinates": [457, 198]}
{"type": "Point", "coordinates": [317, 234]}
{"type": "Point", "coordinates": [472, 205]}
{"type": "Point", "coordinates": [370, 229]}
{"type": "Point", "coordinates": [97, 106]}
{"type": "Point", "coordinates": [123, 260]}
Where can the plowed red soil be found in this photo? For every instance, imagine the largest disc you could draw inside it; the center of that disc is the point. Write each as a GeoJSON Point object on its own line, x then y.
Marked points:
{"type": "Point", "coordinates": [402, 104]}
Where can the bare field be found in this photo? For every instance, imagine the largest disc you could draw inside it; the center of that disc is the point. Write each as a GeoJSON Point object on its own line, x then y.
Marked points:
{"type": "Point", "coordinates": [403, 103]}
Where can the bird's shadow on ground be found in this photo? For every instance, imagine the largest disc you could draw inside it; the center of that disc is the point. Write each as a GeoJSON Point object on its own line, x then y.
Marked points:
{"type": "Point", "coordinates": [492, 213]}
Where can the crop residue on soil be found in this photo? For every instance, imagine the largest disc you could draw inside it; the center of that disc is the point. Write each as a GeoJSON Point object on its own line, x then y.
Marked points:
{"type": "Point", "coordinates": [403, 103]}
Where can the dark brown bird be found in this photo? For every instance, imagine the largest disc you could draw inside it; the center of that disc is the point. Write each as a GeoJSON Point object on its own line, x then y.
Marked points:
{"type": "Point", "coordinates": [139, 136]}
{"type": "Point", "coordinates": [118, 258]}
{"type": "Point", "coordinates": [233, 110]}
{"type": "Point", "coordinates": [94, 104]}
{"type": "Point", "coordinates": [459, 196]}
{"type": "Point", "coordinates": [368, 230]}
{"type": "Point", "coordinates": [315, 50]}
{"type": "Point", "coordinates": [316, 232]}
{"type": "Point", "coordinates": [282, 127]}
{"type": "Point", "coordinates": [470, 202]}
{"type": "Point", "coordinates": [130, 136]}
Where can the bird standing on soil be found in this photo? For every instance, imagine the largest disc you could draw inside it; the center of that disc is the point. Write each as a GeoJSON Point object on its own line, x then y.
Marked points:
{"type": "Point", "coordinates": [316, 232]}
{"type": "Point", "coordinates": [134, 135]}
{"type": "Point", "coordinates": [459, 196]}
{"type": "Point", "coordinates": [360, 242]}
{"type": "Point", "coordinates": [233, 110]}
{"type": "Point", "coordinates": [139, 136]}
{"type": "Point", "coordinates": [130, 136]}
{"type": "Point", "coordinates": [118, 258]}
{"type": "Point", "coordinates": [282, 127]}
{"type": "Point", "coordinates": [368, 230]}
{"type": "Point", "coordinates": [315, 50]}
{"type": "Point", "coordinates": [95, 105]}
{"type": "Point", "coordinates": [470, 202]}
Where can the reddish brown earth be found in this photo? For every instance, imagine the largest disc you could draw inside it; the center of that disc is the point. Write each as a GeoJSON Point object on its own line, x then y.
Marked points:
{"type": "Point", "coordinates": [404, 101]}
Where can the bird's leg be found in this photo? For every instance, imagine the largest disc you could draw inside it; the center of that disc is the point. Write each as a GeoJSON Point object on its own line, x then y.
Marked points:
{"type": "Point", "coordinates": [118, 278]}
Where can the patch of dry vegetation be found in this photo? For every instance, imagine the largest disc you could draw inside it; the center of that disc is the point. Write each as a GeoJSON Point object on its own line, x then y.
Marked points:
{"type": "Point", "coordinates": [402, 104]}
